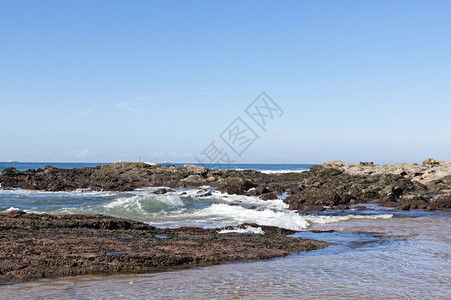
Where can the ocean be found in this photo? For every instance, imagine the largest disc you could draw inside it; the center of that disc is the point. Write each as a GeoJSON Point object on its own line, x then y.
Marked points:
{"type": "Point", "coordinates": [379, 253]}
{"type": "Point", "coordinates": [266, 168]}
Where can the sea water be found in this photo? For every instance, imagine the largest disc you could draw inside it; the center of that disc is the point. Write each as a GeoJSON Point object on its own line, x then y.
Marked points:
{"type": "Point", "coordinates": [379, 253]}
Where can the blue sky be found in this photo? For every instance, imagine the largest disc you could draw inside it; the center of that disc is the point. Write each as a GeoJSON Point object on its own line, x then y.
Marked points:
{"type": "Point", "coordinates": [102, 81]}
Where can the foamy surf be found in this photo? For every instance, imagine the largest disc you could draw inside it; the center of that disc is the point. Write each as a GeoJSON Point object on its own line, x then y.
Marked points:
{"type": "Point", "coordinates": [236, 215]}
{"type": "Point", "coordinates": [277, 204]}
{"type": "Point", "coordinates": [281, 171]}
{"type": "Point", "coordinates": [12, 208]}
{"type": "Point", "coordinates": [275, 171]}
{"type": "Point", "coordinates": [228, 215]}
{"type": "Point", "coordinates": [315, 219]}
{"type": "Point", "coordinates": [203, 207]}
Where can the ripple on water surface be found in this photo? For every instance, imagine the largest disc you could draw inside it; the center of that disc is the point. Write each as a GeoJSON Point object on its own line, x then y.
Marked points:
{"type": "Point", "coordinates": [374, 258]}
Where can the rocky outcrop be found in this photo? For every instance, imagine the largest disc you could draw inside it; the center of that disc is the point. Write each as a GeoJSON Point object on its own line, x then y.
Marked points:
{"type": "Point", "coordinates": [124, 176]}
{"type": "Point", "coordinates": [432, 162]}
{"type": "Point", "coordinates": [39, 246]}
{"type": "Point", "coordinates": [332, 185]}
{"type": "Point", "coordinates": [402, 186]}
{"type": "Point", "coordinates": [430, 171]}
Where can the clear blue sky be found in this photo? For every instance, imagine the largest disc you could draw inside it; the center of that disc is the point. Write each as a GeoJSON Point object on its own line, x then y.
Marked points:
{"type": "Point", "coordinates": [102, 81]}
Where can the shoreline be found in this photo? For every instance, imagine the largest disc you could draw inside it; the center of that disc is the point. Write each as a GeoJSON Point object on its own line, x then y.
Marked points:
{"type": "Point", "coordinates": [332, 185]}
{"type": "Point", "coordinates": [36, 246]}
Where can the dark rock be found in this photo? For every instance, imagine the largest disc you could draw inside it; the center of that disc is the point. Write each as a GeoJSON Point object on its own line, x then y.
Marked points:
{"type": "Point", "coordinates": [326, 172]}
{"type": "Point", "coordinates": [10, 172]}
{"type": "Point", "coordinates": [413, 202]}
{"type": "Point", "coordinates": [193, 181]}
{"type": "Point", "coordinates": [236, 186]}
{"type": "Point", "coordinates": [39, 246]}
{"type": "Point", "coordinates": [397, 191]}
{"type": "Point", "coordinates": [163, 191]}
{"type": "Point", "coordinates": [313, 207]}
{"type": "Point", "coordinates": [348, 198]}
{"type": "Point", "coordinates": [313, 197]}
{"type": "Point", "coordinates": [389, 200]}
{"type": "Point", "coordinates": [439, 184]}
{"type": "Point", "coordinates": [268, 196]}
{"type": "Point", "coordinates": [258, 190]}
{"type": "Point", "coordinates": [404, 206]}
{"type": "Point", "coordinates": [206, 194]}
{"type": "Point", "coordinates": [261, 189]}
{"type": "Point", "coordinates": [443, 203]}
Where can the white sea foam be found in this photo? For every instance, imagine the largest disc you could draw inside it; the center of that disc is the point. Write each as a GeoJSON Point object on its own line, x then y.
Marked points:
{"type": "Point", "coordinates": [313, 219]}
{"type": "Point", "coordinates": [217, 196]}
{"type": "Point", "coordinates": [228, 215]}
{"type": "Point", "coordinates": [281, 171]}
{"type": "Point", "coordinates": [11, 209]}
{"type": "Point", "coordinates": [274, 171]}
{"type": "Point", "coordinates": [247, 229]}
{"type": "Point", "coordinates": [239, 215]}
{"type": "Point", "coordinates": [277, 204]}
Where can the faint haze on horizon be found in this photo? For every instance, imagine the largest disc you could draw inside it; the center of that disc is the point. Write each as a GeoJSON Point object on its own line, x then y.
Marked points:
{"type": "Point", "coordinates": [103, 81]}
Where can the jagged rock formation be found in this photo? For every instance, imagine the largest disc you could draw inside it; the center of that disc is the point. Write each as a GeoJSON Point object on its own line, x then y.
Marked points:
{"type": "Point", "coordinates": [331, 185]}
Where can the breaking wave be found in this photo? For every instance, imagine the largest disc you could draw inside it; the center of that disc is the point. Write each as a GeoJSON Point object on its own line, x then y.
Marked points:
{"type": "Point", "coordinates": [238, 215]}
{"type": "Point", "coordinates": [203, 207]}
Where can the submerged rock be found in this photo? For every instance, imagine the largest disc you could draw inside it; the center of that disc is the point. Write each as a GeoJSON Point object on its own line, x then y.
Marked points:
{"type": "Point", "coordinates": [163, 191]}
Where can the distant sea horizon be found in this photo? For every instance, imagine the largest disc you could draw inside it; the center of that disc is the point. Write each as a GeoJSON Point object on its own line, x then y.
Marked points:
{"type": "Point", "coordinates": [268, 168]}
